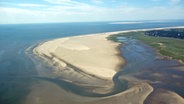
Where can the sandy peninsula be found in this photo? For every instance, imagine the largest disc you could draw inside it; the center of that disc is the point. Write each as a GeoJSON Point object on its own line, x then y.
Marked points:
{"type": "Point", "coordinates": [92, 54]}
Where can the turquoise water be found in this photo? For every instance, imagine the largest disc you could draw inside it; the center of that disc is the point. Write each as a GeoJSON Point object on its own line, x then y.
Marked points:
{"type": "Point", "coordinates": [18, 71]}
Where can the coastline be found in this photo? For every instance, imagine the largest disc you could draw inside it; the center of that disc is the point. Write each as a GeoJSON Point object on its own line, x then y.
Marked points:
{"type": "Point", "coordinates": [54, 58]}
{"type": "Point", "coordinates": [82, 62]}
{"type": "Point", "coordinates": [84, 46]}
{"type": "Point", "coordinates": [48, 52]}
{"type": "Point", "coordinates": [87, 80]}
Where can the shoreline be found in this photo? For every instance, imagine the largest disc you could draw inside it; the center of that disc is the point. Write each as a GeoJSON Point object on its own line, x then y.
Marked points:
{"type": "Point", "coordinates": [89, 69]}
{"type": "Point", "coordinates": [50, 53]}
{"type": "Point", "coordinates": [139, 91]}
{"type": "Point", "coordinates": [104, 35]}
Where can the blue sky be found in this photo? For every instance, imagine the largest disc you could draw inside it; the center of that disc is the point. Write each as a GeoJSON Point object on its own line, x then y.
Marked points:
{"type": "Point", "coordinates": [46, 11]}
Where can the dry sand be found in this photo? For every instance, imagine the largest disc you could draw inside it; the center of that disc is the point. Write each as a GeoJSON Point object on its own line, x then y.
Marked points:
{"type": "Point", "coordinates": [90, 61]}
{"type": "Point", "coordinates": [94, 55]}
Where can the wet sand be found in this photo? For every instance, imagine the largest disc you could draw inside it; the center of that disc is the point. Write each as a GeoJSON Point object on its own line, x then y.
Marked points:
{"type": "Point", "coordinates": [165, 97]}
{"type": "Point", "coordinates": [47, 93]}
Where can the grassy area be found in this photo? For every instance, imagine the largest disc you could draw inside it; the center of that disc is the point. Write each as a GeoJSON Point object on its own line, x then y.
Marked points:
{"type": "Point", "coordinates": [171, 47]}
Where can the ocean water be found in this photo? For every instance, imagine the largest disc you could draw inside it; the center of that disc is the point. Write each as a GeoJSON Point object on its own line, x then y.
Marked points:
{"type": "Point", "coordinates": [17, 69]}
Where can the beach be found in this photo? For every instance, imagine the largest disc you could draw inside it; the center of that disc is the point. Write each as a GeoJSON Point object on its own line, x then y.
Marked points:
{"type": "Point", "coordinates": [91, 54]}
{"type": "Point", "coordinates": [90, 61]}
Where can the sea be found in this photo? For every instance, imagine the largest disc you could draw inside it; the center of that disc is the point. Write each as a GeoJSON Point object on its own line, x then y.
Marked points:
{"type": "Point", "coordinates": [17, 70]}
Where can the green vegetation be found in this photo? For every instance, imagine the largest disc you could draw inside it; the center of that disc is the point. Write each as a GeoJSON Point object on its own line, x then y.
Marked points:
{"type": "Point", "coordinates": [171, 47]}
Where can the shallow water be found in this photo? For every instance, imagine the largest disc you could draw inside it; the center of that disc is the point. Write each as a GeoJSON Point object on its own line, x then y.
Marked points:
{"type": "Point", "coordinates": [144, 63]}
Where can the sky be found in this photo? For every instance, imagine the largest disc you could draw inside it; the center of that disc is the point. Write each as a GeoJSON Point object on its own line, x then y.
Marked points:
{"type": "Point", "coordinates": [49, 11]}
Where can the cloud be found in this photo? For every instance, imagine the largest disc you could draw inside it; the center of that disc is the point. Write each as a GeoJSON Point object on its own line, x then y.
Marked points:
{"type": "Point", "coordinates": [12, 15]}
{"type": "Point", "coordinates": [72, 7]}
{"type": "Point", "coordinates": [65, 2]}
{"type": "Point", "coordinates": [4, 4]}
{"type": "Point", "coordinates": [72, 11]}
{"type": "Point", "coordinates": [31, 5]}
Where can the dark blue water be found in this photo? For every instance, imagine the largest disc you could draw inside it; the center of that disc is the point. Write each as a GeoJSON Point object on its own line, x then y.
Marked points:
{"type": "Point", "coordinates": [17, 68]}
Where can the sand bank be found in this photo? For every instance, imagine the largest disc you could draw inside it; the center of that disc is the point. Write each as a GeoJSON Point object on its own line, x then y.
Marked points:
{"type": "Point", "coordinates": [93, 54]}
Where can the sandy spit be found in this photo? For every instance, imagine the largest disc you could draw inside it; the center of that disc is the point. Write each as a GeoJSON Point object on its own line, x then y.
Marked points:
{"type": "Point", "coordinates": [92, 54]}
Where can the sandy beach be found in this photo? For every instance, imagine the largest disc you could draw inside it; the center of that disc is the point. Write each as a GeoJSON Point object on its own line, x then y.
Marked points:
{"type": "Point", "coordinates": [90, 61]}
{"type": "Point", "coordinates": [92, 54]}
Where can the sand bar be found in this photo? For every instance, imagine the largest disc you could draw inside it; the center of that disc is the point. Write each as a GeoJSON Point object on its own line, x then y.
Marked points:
{"type": "Point", "coordinates": [93, 54]}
